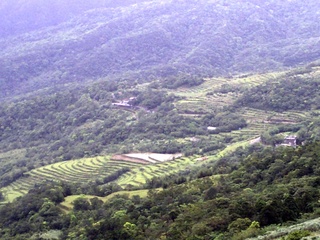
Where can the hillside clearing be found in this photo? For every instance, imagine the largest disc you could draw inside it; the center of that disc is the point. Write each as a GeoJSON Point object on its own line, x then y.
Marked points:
{"type": "Point", "coordinates": [67, 204]}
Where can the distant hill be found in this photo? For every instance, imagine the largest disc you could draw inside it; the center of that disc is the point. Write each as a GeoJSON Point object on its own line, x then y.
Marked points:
{"type": "Point", "coordinates": [21, 16]}
{"type": "Point", "coordinates": [49, 43]}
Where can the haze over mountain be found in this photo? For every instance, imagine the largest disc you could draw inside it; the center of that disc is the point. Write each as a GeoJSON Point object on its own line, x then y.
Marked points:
{"type": "Point", "coordinates": [47, 43]}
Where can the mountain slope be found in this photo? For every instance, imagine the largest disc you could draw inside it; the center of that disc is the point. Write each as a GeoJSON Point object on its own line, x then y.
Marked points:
{"type": "Point", "coordinates": [21, 16]}
{"type": "Point", "coordinates": [155, 40]}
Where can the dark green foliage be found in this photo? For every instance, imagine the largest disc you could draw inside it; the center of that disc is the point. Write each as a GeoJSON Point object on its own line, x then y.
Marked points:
{"type": "Point", "coordinates": [115, 175]}
{"type": "Point", "coordinates": [296, 235]}
{"type": "Point", "coordinates": [288, 93]}
{"type": "Point", "coordinates": [173, 82]}
{"type": "Point", "coordinates": [151, 99]}
{"type": "Point", "coordinates": [34, 212]}
{"type": "Point", "coordinates": [81, 204]}
{"type": "Point", "coordinates": [65, 43]}
{"type": "Point", "coordinates": [224, 121]}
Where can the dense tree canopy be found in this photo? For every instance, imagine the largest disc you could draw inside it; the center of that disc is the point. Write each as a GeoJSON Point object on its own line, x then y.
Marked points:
{"type": "Point", "coordinates": [290, 93]}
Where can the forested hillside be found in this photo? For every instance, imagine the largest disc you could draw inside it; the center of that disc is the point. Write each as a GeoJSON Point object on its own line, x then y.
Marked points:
{"type": "Point", "coordinates": [151, 40]}
{"type": "Point", "coordinates": [22, 16]}
{"type": "Point", "coordinates": [292, 93]}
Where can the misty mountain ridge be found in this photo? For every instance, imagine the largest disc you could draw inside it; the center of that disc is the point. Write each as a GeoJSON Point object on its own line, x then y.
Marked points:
{"type": "Point", "coordinates": [152, 40]}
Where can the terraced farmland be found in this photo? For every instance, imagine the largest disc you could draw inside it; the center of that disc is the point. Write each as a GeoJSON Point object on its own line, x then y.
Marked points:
{"type": "Point", "coordinates": [146, 158]}
{"type": "Point", "coordinates": [75, 171]}
{"type": "Point", "coordinates": [142, 174]}
{"type": "Point", "coordinates": [206, 96]}
{"type": "Point", "coordinates": [89, 169]}
{"type": "Point", "coordinates": [195, 102]}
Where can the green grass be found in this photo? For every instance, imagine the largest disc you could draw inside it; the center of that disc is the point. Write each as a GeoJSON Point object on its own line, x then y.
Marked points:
{"type": "Point", "coordinates": [229, 149]}
{"type": "Point", "coordinates": [75, 171]}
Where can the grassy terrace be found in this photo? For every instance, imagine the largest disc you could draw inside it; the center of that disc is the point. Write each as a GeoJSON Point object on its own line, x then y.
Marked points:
{"type": "Point", "coordinates": [76, 171]}
{"type": "Point", "coordinates": [199, 100]}
{"type": "Point", "coordinates": [89, 169]}
{"type": "Point", "coordinates": [206, 96]}
{"type": "Point", "coordinates": [142, 174]}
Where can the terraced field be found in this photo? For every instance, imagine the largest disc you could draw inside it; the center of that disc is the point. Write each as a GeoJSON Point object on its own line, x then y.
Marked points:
{"type": "Point", "coordinates": [76, 171]}
{"type": "Point", "coordinates": [258, 121]}
{"type": "Point", "coordinates": [202, 99]}
{"type": "Point", "coordinates": [206, 96]}
{"type": "Point", "coordinates": [89, 169]}
{"type": "Point", "coordinates": [142, 174]}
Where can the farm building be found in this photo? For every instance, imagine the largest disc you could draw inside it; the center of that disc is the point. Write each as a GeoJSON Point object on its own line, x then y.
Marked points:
{"type": "Point", "coordinates": [290, 141]}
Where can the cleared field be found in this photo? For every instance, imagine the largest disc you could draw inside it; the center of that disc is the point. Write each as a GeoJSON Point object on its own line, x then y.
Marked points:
{"type": "Point", "coordinates": [208, 96]}
{"type": "Point", "coordinates": [67, 204]}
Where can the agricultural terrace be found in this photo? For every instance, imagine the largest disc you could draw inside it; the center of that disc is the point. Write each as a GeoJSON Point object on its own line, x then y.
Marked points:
{"type": "Point", "coordinates": [140, 168]}
{"type": "Point", "coordinates": [217, 92]}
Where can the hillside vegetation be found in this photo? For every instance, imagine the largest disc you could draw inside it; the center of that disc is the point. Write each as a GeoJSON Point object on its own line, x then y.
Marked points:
{"type": "Point", "coordinates": [228, 169]}
{"type": "Point", "coordinates": [152, 40]}
{"type": "Point", "coordinates": [81, 123]}
{"type": "Point", "coordinates": [293, 92]}
{"type": "Point", "coordinates": [258, 187]}
{"type": "Point", "coordinates": [158, 119]}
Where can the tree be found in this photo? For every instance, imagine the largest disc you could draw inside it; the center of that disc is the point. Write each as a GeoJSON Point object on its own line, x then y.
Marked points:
{"type": "Point", "coordinates": [131, 229]}
{"type": "Point", "coordinates": [81, 204]}
{"type": "Point", "coordinates": [239, 224]}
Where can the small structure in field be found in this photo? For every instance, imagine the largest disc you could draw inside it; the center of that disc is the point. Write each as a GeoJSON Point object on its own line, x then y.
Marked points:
{"type": "Point", "coordinates": [202, 159]}
{"type": "Point", "coordinates": [126, 103]}
{"type": "Point", "coordinates": [290, 141]}
{"type": "Point", "coordinates": [194, 139]}
{"type": "Point", "coordinates": [211, 128]}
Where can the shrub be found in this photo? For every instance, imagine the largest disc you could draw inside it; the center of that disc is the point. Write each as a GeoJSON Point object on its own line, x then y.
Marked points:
{"type": "Point", "coordinates": [296, 235]}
